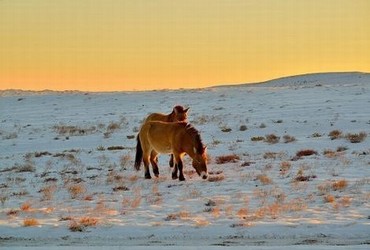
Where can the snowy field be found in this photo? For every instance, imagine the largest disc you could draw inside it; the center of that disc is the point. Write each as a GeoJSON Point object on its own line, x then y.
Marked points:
{"type": "Point", "coordinates": [289, 166]}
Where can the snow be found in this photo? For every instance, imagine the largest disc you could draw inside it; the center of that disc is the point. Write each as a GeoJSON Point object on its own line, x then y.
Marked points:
{"type": "Point", "coordinates": [59, 177]}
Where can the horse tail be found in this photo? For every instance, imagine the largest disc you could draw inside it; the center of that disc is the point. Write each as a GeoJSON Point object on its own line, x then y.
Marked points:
{"type": "Point", "coordinates": [139, 154]}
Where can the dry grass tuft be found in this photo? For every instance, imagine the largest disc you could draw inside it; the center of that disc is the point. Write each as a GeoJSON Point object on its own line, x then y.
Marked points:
{"type": "Point", "coordinates": [242, 213]}
{"type": "Point", "coordinates": [329, 153]}
{"type": "Point", "coordinates": [356, 138]}
{"type": "Point", "coordinates": [124, 160]}
{"type": "Point", "coordinates": [306, 152]}
{"type": "Point", "coordinates": [243, 128]}
{"type": "Point", "coordinates": [335, 134]}
{"type": "Point", "coordinates": [257, 138]}
{"type": "Point", "coordinates": [271, 155]}
{"type": "Point", "coordinates": [30, 222]}
{"type": "Point", "coordinates": [216, 178]}
{"type": "Point", "coordinates": [339, 185]}
{"type": "Point", "coordinates": [12, 212]}
{"type": "Point", "coordinates": [227, 159]}
{"type": "Point", "coordinates": [68, 130]}
{"type": "Point", "coordinates": [76, 190]}
{"type": "Point", "coordinates": [288, 138]}
{"type": "Point", "coordinates": [264, 179]}
{"type": "Point", "coordinates": [285, 167]}
{"type": "Point", "coordinates": [26, 206]}
{"type": "Point", "coordinates": [272, 139]}
{"type": "Point", "coordinates": [183, 215]}
{"type": "Point", "coordinates": [74, 226]}
{"type": "Point", "coordinates": [48, 191]}
{"type": "Point", "coordinates": [329, 198]}
{"type": "Point", "coordinates": [88, 221]}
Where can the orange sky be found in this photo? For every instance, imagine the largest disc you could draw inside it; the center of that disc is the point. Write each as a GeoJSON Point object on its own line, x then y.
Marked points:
{"type": "Point", "coordinates": [154, 44]}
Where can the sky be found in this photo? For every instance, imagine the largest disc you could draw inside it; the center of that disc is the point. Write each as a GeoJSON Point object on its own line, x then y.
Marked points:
{"type": "Point", "coordinates": [112, 45]}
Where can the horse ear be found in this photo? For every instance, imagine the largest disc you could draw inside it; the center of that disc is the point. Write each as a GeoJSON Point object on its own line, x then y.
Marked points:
{"type": "Point", "coordinates": [204, 148]}
{"type": "Point", "coordinates": [186, 110]}
{"type": "Point", "coordinates": [175, 110]}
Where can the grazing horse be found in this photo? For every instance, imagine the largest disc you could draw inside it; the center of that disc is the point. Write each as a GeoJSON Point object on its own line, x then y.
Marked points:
{"type": "Point", "coordinates": [175, 138]}
{"type": "Point", "coordinates": [178, 114]}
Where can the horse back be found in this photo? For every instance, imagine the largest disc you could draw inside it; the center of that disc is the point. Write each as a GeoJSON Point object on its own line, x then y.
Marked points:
{"type": "Point", "coordinates": [157, 117]}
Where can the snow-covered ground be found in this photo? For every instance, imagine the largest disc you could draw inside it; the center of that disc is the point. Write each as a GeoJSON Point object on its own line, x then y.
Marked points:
{"type": "Point", "coordinates": [67, 175]}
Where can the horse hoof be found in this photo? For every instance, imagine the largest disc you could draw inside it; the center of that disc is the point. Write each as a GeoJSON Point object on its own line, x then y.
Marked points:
{"type": "Point", "coordinates": [174, 177]}
{"type": "Point", "coordinates": [148, 177]}
{"type": "Point", "coordinates": [182, 178]}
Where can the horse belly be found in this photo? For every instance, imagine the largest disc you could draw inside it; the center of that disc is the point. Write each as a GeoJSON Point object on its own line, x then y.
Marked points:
{"type": "Point", "coordinates": [163, 148]}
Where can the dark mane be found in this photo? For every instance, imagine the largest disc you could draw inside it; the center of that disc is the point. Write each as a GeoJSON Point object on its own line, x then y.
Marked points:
{"type": "Point", "coordinates": [197, 139]}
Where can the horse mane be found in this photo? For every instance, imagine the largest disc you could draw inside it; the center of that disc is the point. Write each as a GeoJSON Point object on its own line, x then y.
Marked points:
{"type": "Point", "coordinates": [197, 139]}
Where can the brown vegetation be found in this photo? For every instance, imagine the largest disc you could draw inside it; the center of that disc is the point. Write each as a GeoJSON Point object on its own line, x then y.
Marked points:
{"type": "Point", "coordinates": [227, 159]}
{"type": "Point", "coordinates": [30, 222]}
{"type": "Point", "coordinates": [272, 139]}
{"type": "Point", "coordinates": [306, 152]}
{"type": "Point", "coordinates": [335, 134]}
{"type": "Point", "coordinates": [356, 138]}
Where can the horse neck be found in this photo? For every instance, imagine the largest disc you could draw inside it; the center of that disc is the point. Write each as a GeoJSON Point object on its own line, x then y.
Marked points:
{"type": "Point", "coordinates": [170, 117]}
{"type": "Point", "coordinates": [189, 148]}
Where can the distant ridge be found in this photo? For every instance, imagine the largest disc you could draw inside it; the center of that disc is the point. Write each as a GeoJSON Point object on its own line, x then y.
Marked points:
{"type": "Point", "coordinates": [330, 78]}
{"type": "Point", "coordinates": [311, 79]}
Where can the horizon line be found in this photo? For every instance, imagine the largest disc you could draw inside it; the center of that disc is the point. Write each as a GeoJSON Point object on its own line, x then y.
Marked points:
{"type": "Point", "coordinates": [190, 88]}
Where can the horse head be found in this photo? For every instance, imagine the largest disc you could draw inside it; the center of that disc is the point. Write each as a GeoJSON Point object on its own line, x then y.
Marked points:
{"type": "Point", "coordinates": [181, 114]}
{"type": "Point", "coordinates": [200, 162]}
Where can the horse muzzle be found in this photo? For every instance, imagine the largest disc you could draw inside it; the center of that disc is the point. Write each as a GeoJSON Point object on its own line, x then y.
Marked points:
{"type": "Point", "coordinates": [204, 175]}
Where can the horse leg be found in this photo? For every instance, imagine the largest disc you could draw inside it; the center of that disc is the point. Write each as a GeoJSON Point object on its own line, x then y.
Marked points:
{"type": "Point", "coordinates": [146, 166]}
{"type": "Point", "coordinates": [174, 172]}
{"type": "Point", "coordinates": [179, 167]}
{"type": "Point", "coordinates": [154, 161]}
{"type": "Point", "coordinates": [171, 161]}
{"type": "Point", "coordinates": [181, 174]}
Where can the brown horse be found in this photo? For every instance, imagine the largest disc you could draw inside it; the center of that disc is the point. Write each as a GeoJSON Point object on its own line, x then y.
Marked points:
{"type": "Point", "coordinates": [178, 114]}
{"type": "Point", "coordinates": [177, 138]}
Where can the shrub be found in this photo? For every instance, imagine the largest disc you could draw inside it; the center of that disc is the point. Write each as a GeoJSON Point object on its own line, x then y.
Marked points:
{"type": "Point", "coordinates": [272, 139]}
{"type": "Point", "coordinates": [335, 134]}
{"type": "Point", "coordinates": [356, 138]}
{"type": "Point", "coordinates": [227, 158]}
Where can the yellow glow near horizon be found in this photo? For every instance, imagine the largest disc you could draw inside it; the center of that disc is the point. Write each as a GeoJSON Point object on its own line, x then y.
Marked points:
{"type": "Point", "coordinates": [154, 44]}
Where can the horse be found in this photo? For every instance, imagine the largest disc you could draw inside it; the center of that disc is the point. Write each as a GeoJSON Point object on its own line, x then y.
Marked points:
{"type": "Point", "coordinates": [177, 138]}
{"type": "Point", "coordinates": [178, 114]}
